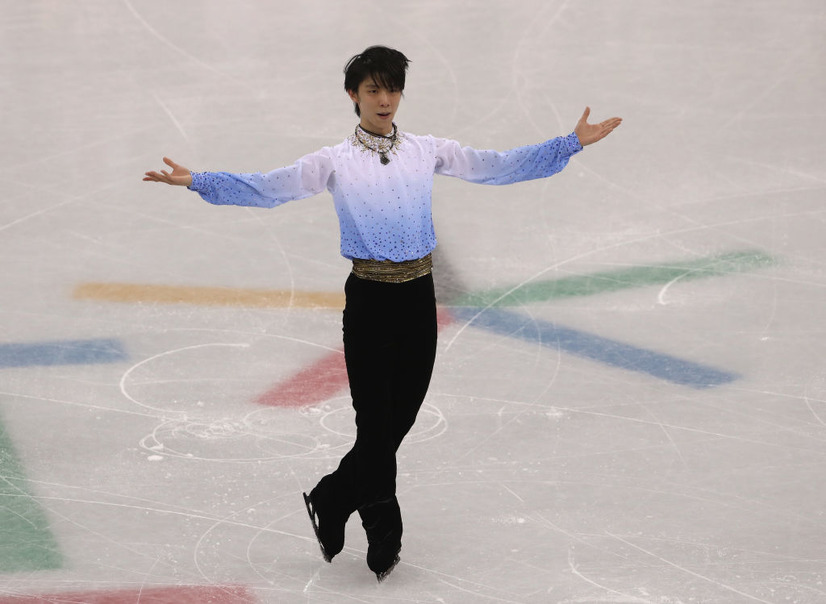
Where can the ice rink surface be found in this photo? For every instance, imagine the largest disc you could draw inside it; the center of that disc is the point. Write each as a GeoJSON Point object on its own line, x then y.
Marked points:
{"type": "Point", "coordinates": [629, 403]}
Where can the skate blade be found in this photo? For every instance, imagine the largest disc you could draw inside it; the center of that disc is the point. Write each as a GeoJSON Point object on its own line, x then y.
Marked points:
{"type": "Point", "coordinates": [308, 503]}
{"type": "Point", "coordinates": [386, 573]}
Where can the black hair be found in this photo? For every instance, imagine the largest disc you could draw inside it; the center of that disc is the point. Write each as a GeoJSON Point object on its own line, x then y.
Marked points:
{"type": "Point", "coordinates": [387, 67]}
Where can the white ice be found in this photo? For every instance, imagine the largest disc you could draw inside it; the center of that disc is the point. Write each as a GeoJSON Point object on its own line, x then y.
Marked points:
{"type": "Point", "coordinates": [532, 475]}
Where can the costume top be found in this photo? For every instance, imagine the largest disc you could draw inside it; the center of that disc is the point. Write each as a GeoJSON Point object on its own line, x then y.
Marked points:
{"type": "Point", "coordinates": [384, 207]}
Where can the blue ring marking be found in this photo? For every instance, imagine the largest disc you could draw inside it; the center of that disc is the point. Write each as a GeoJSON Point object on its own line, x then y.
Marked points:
{"type": "Point", "coordinates": [603, 350]}
{"type": "Point", "coordinates": [64, 352]}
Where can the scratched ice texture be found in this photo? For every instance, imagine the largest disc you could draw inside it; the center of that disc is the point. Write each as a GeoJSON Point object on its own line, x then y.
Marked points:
{"type": "Point", "coordinates": [534, 473]}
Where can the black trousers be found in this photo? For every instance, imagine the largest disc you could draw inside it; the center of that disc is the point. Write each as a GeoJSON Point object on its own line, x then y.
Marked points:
{"type": "Point", "coordinates": [389, 348]}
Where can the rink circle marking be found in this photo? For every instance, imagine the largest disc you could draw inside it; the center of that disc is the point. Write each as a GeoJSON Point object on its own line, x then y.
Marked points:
{"type": "Point", "coordinates": [420, 432]}
{"type": "Point", "coordinates": [211, 440]}
{"type": "Point", "coordinates": [125, 377]}
{"type": "Point", "coordinates": [204, 548]}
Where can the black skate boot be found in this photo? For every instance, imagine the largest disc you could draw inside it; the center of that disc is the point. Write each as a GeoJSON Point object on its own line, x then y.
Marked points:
{"type": "Point", "coordinates": [328, 524]}
{"type": "Point", "coordinates": [382, 521]}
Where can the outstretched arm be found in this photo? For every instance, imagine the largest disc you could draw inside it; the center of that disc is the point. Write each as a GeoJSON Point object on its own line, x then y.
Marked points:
{"type": "Point", "coordinates": [307, 176]}
{"type": "Point", "coordinates": [179, 176]}
{"type": "Point", "coordinates": [591, 133]}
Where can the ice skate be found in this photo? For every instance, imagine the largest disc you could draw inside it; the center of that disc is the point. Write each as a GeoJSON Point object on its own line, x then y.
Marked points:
{"type": "Point", "coordinates": [311, 511]}
{"type": "Point", "coordinates": [383, 524]}
{"type": "Point", "coordinates": [381, 576]}
{"type": "Point", "coordinates": [329, 533]}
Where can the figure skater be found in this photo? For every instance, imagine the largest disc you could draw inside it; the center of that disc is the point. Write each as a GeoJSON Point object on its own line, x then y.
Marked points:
{"type": "Point", "coordinates": [381, 180]}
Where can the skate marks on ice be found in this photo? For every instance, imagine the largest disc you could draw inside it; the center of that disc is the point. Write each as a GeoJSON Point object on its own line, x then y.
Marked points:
{"type": "Point", "coordinates": [199, 393]}
{"type": "Point", "coordinates": [270, 434]}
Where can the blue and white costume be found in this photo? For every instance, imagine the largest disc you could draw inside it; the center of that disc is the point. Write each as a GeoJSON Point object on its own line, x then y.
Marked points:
{"type": "Point", "coordinates": [384, 210]}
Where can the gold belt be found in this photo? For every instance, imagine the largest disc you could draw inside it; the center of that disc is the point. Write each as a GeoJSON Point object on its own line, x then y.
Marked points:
{"type": "Point", "coordinates": [388, 271]}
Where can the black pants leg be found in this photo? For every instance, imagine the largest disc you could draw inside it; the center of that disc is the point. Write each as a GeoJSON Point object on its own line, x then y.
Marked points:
{"type": "Point", "coordinates": [390, 349]}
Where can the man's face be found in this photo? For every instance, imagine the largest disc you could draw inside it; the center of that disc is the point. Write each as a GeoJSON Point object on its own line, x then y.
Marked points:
{"type": "Point", "coordinates": [377, 105]}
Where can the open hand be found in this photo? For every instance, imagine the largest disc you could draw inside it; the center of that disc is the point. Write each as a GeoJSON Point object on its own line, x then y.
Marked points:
{"type": "Point", "coordinates": [179, 176]}
{"type": "Point", "coordinates": [591, 133]}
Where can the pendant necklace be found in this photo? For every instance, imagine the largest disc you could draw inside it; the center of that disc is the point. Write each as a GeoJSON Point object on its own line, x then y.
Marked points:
{"type": "Point", "coordinates": [383, 144]}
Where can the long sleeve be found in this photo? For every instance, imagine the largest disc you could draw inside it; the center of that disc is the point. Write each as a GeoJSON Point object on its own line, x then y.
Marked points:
{"type": "Point", "coordinates": [308, 176]}
{"type": "Point", "coordinates": [505, 167]}
{"type": "Point", "coordinates": [384, 210]}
